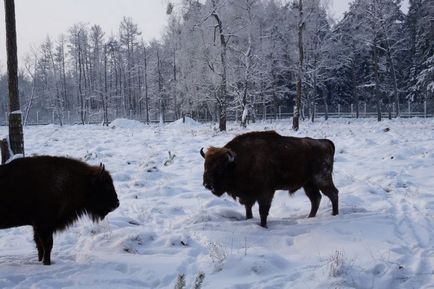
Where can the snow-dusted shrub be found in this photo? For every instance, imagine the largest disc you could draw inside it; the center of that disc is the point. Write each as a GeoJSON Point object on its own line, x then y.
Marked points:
{"type": "Point", "coordinates": [218, 255]}
{"type": "Point", "coordinates": [337, 264]}
{"type": "Point", "coordinates": [199, 280]}
{"type": "Point", "coordinates": [180, 282]}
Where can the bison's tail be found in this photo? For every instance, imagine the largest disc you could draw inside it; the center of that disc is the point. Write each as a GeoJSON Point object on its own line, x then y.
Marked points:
{"type": "Point", "coordinates": [332, 146]}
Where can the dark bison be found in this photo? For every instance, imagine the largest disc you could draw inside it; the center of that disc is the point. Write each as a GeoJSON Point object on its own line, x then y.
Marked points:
{"type": "Point", "coordinates": [50, 193]}
{"type": "Point", "coordinates": [254, 165]}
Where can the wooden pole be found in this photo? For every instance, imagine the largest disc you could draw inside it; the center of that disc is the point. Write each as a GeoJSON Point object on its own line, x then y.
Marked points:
{"type": "Point", "coordinates": [16, 137]}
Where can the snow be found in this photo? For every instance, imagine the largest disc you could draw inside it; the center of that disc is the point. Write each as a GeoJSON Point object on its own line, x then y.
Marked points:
{"type": "Point", "coordinates": [188, 122]}
{"type": "Point", "coordinates": [126, 123]}
{"type": "Point", "coordinates": [168, 223]}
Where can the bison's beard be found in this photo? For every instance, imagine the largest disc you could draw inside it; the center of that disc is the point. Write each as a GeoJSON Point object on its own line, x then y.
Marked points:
{"type": "Point", "coordinates": [218, 193]}
{"type": "Point", "coordinates": [95, 216]}
{"type": "Point", "coordinates": [219, 190]}
{"type": "Point", "coordinates": [98, 213]}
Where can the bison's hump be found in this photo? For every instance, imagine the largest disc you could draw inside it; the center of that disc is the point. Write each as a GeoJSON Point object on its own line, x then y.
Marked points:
{"type": "Point", "coordinates": [271, 134]}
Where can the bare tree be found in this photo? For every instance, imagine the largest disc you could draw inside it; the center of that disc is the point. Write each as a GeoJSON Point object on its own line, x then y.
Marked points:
{"type": "Point", "coordinates": [296, 118]}
{"type": "Point", "coordinates": [16, 137]}
{"type": "Point", "coordinates": [222, 91]}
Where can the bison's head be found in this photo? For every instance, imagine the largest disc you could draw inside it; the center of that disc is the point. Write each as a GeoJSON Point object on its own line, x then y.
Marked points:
{"type": "Point", "coordinates": [217, 169]}
{"type": "Point", "coordinates": [103, 197]}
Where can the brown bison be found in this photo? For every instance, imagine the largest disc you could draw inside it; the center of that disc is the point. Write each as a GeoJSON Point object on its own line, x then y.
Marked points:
{"type": "Point", "coordinates": [254, 165]}
{"type": "Point", "coordinates": [50, 193]}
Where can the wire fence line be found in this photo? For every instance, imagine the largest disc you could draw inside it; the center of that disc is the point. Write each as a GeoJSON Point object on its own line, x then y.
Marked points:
{"type": "Point", "coordinates": [261, 112]}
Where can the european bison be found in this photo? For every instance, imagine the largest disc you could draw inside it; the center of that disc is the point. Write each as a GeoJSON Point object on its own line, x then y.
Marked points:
{"type": "Point", "coordinates": [254, 165]}
{"type": "Point", "coordinates": [50, 193]}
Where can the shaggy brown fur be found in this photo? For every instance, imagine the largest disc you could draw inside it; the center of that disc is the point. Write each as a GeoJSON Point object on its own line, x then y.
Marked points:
{"type": "Point", "coordinates": [50, 193]}
{"type": "Point", "coordinates": [254, 165]}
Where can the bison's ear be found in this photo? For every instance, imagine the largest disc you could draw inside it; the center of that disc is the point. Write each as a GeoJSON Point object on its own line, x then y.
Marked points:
{"type": "Point", "coordinates": [231, 156]}
{"type": "Point", "coordinates": [202, 153]}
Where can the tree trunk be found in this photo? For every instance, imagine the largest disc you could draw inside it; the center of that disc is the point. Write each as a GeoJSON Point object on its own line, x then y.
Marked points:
{"type": "Point", "coordinates": [80, 90]}
{"type": "Point", "coordinates": [354, 87]}
{"type": "Point", "coordinates": [297, 105]}
{"type": "Point", "coordinates": [32, 95]}
{"type": "Point", "coordinates": [377, 81]}
{"type": "Point", "coordinates": [16, 136]}
{"type": "Point", "coordinates": [395, 81]}
{"type": "Point", "coordinates": [146, 85]}
{"type": "Point", "coordinates": [160, 89]}
{"type": "Point", "coordinates": [175, 84]}
{"type": "Point", "coordinates": [222, 97]}
{"type": "Point", "coordinates": [326, 107]}
{"type": "Point", "coordinates": [104, 95]}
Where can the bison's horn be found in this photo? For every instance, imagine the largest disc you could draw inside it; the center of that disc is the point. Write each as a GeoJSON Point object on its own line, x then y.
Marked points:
{"type": "Point", "coordinates": [102, 166]}
{"type": "Point", "coordinates": [202, 153]}
{"type": "Point", "coordinates": [231, 156]}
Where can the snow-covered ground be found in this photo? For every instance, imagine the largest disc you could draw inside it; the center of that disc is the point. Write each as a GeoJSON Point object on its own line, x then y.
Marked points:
{"type": "Point", "coordinates": [169, 224]}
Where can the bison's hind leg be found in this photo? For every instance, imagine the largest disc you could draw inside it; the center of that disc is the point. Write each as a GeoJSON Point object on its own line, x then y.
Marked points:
{"type": "Point", "coordinates": [45, 237]}
{"type": "Point", "coordinates": [264, 207]}
{"type": "Point", "coordinates": [312, 192]}
{"type": "Point", "coordinates": [324, 181]}
{"type": "Point", "coordinates": [329, 189]}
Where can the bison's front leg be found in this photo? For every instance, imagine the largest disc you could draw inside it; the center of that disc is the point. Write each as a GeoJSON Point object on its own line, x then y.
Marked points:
{"type": "Point", "coordinates": [248, 204]}
{"type": "Point", "coordinates": [249, 214]}
{"type": "Point", "coordinates": [264, 208]}
{"type": "Point", "coordinates": [38, 245]}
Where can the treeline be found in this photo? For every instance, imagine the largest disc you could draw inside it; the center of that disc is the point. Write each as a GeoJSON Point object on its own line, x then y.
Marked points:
{"type": "Point", "coordinates": [221, 56]}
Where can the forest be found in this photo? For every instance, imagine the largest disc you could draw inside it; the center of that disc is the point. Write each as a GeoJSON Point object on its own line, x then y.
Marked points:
{"type": "Point", "coordinates": [157, 156]}
{"type": "Point", "coordinates": [222, 60]}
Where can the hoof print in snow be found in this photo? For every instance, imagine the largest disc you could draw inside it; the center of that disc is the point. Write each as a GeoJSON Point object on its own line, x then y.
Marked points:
{"type": "Point", "coordinates": [380, 269]}
{"type": "Point", "coordinates": [181, 243]}
{"type": "Point", "coordinates": [138, 244]}
{"type": "Point", "coordinates": [129, 250]}
{"type": "Point", "coordinates": [133, 222]}
{"type": "Point", "coordinates": [152, 169]}
{"type": "Point", "coordinates": [139, 184]}
{"type": "Point", "coordinates": [231, 215]}
{"type": "Point", "coordinates": [90, 156]}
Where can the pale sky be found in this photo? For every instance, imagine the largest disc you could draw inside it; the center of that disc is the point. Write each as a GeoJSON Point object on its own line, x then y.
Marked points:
{"type": "Point", "coordinates": [38, 18]}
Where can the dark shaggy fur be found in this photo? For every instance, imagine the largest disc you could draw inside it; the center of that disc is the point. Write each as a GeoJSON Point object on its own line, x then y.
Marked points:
{"type": "Point", "coordinates": [254, 165]}
{"type": "Point", "coordinates": [50, 193]}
